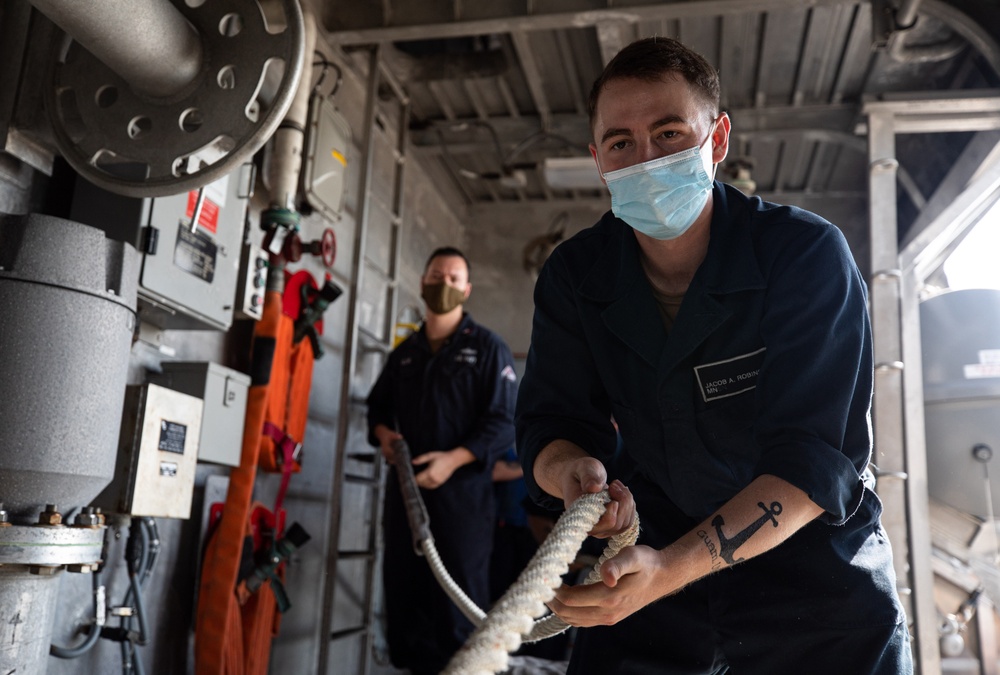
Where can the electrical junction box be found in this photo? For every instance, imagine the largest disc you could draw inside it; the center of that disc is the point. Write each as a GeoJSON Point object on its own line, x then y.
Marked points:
{"type": "Point", "coordinates": [224, 394]}
{"type": "Point", "coordinates": [157, 454]}
{"type": "Point", "coordinates": [189, 272]}
{"type": "Point", "coordinates": [324, 167]}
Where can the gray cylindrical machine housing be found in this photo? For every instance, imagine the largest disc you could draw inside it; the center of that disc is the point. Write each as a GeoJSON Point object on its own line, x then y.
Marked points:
{"type": "Point", "coordinates": [961, 329]}
{"type": "Point", "coordinates": [67, 315]}
{"type": "Point", "coordinates": [960, 339]}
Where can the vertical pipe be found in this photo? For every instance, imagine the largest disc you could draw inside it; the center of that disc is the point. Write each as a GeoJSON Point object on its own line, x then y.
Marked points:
{"type": "Point", "coordinates": [928, 643]}
{"type": "Point", "coordinates": [27, 614]}
{"type": "Point", "coordinates": [986, 634]}
{"type": "Point", "coordinates": [148, 43]}
{"type": "Point", "coordinates": [289, 139]}
{"type": "Point", "coordinates": [888, 401]}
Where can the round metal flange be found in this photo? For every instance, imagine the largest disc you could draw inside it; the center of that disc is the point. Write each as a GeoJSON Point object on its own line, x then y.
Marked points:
{"type": "Point", "coordinates": [134, 144]}
{"type": "Point", "coordinates": [50, 545]}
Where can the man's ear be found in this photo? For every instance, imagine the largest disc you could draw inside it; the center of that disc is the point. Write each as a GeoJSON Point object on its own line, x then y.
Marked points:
{"type": "Point", "coordinates": [468, 289]}
{"type": "Point", "coordinates": [593, 153]}
{"type": "Point", "coordinates": [720, 138]}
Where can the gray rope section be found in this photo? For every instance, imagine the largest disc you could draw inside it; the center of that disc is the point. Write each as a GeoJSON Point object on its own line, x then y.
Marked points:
{"type": "Point", "coordinates": [464, 603]}
{"type": "Point", "coordinates": [511, 620]}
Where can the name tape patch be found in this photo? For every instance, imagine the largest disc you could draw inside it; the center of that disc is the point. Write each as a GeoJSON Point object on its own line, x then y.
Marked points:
{"type": "Point", "coordinates": [729, 377]}
{"type": "Point", "coordinates": [467, 355]}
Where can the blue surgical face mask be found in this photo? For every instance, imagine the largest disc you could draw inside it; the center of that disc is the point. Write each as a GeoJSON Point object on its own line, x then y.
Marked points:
{"type": "Point", "coordinates": [662, 197]}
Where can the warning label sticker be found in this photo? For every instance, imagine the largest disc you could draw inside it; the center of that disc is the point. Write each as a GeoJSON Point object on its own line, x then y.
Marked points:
{"type": "Point", "coordinates": [975, 371]}
{"type": "Point", "coordinates": [209, 216]}
{"type": "Point", "coordinates": [172, 437]}
{"type": "Point", "coordinates": [195, 253]}
{"type": "Point", "coordinates": [988, 366]}
{"type": "Point", "coordinates": [989, 356]}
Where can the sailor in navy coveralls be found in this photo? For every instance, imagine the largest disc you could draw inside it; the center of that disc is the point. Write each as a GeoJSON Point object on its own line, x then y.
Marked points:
{"type": "Point", "coordinates": [729, 340]}
{"type": "Point", "coordinates": [449, 391]}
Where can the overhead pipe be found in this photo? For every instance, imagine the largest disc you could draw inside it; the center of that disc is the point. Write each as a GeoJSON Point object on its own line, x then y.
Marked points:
{"type": "Point", "coordinates": [906, 15]}
{"type": "Point", "coordinates": [905, 20]}
{"type": "Point", "coordinates": [148, 43]}
{"type": "Point", "coordinates": [282, 169]}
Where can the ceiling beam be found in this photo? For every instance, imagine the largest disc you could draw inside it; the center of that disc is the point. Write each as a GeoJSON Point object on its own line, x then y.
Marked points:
{"type": "Point", "coordinates": [475, 98]}
{"type": "Point", "coordinates": [527, 155]}
{"type": "Point", "coordinates": [938, 111]}
{"type": "Point", "coordinates": [613, 36]}
{"type": "Point", "coordinates": [551, 15]}
{"type": "Point", "coordinates": [442, 101]}
{"type": "Point", "coordinates": [532, 76]}
{"type": "Point", "coordinates": [522, 210]}
{"type": "Point", "coordinates": [572, 76]}
{"type": "Point", "coordinates": [508, 97]}
{"type": "Point", "coordinates": [928, 250]}
{"type": "Point", "coordinates": [838, 119]}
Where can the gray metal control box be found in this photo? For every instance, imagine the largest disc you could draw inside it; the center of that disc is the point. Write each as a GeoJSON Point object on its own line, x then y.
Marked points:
{"type": "Point", "coordinates": [324, 165]}
{"type": "Point", "coordinates": [157, 454]}
{"type": "Point", "coordinates": [224, 392]}
{"type": "Point", "coordinates": [189, 272]}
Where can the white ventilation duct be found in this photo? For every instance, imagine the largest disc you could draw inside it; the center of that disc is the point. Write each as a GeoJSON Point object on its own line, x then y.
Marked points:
{"type": "Point", "coordinates": [572, 173]}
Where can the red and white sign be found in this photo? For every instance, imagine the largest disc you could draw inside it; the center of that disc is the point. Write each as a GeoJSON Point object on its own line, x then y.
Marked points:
{"type": "Point", "coordinates": [209, 217]}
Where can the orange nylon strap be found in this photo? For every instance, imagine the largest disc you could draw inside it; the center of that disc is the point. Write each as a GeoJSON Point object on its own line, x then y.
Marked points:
{"type": "Point", "coordinates": [297, 411]}
{"type": "Point", "coordinates": [291, 381]}
{"type": "Point", "coordinates": [258, 623]}
{"type": "Point", "coordinates": [215, 624]}
{"type": "Point", "coordinates": [277, 402]}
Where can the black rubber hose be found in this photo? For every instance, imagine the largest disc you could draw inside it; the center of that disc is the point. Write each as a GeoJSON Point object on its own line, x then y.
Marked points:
{"type": "Point", "coordinates": [93, 635]}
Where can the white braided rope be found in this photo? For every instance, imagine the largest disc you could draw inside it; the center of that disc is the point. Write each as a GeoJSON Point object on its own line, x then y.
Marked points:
{"type": "Point", "coordinates": [511, 618]}
{"type": "Point", "coordinates": [552, 624]}
{"type": "Point", "coordinates": [464, 603]}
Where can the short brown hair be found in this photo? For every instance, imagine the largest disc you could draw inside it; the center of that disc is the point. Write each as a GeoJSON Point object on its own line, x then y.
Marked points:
{"type": "Point", "coordinates": [448, 251]}
{"type": "Point", "coordinates": [650, 59]}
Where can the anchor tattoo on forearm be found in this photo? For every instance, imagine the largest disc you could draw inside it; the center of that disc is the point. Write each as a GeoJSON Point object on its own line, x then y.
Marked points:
{"type": "Point", "coordinates": [728, 546]}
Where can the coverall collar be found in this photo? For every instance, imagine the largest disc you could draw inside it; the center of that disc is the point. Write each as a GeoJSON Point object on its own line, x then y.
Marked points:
{"type": "Point", "coordinates": [730, 265]}
{"type": "Point", "coordinates": [464, 326]}
{"type": "Point", "coordinates": [617, 279]}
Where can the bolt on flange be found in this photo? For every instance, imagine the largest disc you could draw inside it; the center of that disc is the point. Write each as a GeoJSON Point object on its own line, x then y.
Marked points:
{"type": "Point", "coordinates": [88, 517]}
{"type": "Point", "coordinates": [44, 570]}
{"type": "Point", "coordinates": [50, 516]}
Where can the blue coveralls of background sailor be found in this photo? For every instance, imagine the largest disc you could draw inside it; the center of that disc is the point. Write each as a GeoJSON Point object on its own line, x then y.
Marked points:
{"type": "Point", "coordinates": [461, 396]}
{"type": "Point", "coordinates": [748, 382]}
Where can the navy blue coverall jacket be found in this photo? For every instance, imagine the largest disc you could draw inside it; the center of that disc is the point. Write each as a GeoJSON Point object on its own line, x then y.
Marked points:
{"type": "Point", "coordinates": [461, 396]}
{"type": "Point", "coordinates": [766, 370]}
